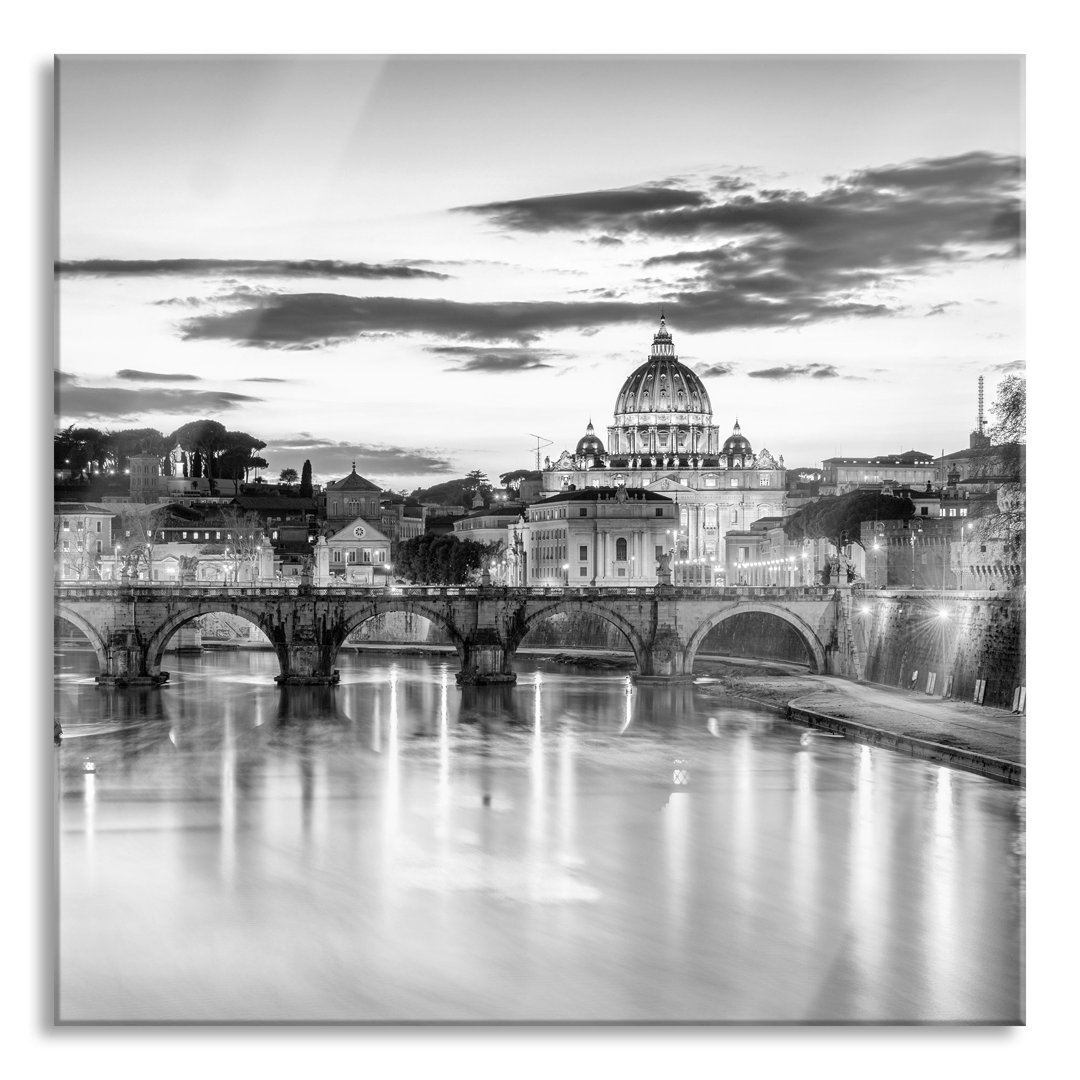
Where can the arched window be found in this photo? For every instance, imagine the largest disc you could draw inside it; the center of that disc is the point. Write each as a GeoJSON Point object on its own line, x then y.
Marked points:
{"type": "Point", "coordinates": [620, 549]}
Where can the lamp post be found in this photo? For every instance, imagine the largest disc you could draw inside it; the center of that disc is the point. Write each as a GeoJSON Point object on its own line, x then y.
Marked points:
{"type": "Point", "coordinates": [566, 574]}
{"type": "Point", "coordinates": [917, 529]}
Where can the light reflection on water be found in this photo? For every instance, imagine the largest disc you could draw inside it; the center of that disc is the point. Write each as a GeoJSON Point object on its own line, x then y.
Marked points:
{"type": "Point", "coordinates": [399, 847]}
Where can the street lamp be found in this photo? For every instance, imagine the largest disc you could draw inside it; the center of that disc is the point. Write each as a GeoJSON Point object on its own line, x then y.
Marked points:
{"type": "Point", "coordinates": [917, 529]}
{"type": "Point", "coordinates": [566, 573]}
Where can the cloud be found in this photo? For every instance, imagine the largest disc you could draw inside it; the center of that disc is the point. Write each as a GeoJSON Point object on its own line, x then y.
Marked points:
{"type": "Point", "coordinates": [794, 371]}
{"type": "Point", "coordinates": [132, 375]}
{"type": "Point", "coordinates": [62, 377]}
{"type": "Point", "coordinates": [584, 209]}
{"type": "Point", "coordinates": [496, 361]}
{"type": "Point", "coordinates": [939, 309]}
{"type": "Point", "coordinates": [110, 403]}
{"type": "Point", "coordinates": [722, 368]}
{"type": "Point", "coordinates": [320, 268]}
{"type": "Point", "coordinates": [1010, 367]}
{"type": "Point", "coordinates": [264, 378]}
{"type": "Point", "coordinates": [331, 458]}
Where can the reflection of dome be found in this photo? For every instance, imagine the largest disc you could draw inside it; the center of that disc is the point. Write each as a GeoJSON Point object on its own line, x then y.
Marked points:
{"type": "Point", "coordinates": [589, 444]}
{"type": "Point", "coordinates": [737, 446]}
{"type": "Point", "coordinates": [662, 385]}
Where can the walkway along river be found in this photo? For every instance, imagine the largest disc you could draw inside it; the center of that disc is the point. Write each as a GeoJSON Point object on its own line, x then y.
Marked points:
{"type": "Point", "coordinates": [574, 848]}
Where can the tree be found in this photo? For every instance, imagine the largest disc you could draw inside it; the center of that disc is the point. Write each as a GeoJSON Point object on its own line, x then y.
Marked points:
{"type": "Point", "coordinates": [837, 518]}
{"type": "Point", "coordinates": [1010, 410]}
{"type": "Point", "coordinates": [288, 477]}
{"type": "Point", "coordinates": [441, 560]}
{"type": "Point", "coordinates": [306, 489]}
{"type": "Point", "coordinates": [134, 538]}
{"type": "Point", "coordinates": [208, 438]}
{"type": "Point", "coordinates": [512, 480]}
{"type": "Point", "coordinates": [244, 539]}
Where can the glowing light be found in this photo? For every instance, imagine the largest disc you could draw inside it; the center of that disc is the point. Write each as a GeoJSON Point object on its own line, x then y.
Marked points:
{"type": "Point", "coordinates": [943, 613]}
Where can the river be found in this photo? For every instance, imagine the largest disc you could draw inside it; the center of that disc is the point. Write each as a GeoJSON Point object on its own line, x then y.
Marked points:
{"type": "Point", "coordinates": [575, 848]}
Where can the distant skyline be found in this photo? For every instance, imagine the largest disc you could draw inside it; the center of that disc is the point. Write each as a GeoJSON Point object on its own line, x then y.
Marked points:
{"type": "Point", "coordinates": [416, 262]}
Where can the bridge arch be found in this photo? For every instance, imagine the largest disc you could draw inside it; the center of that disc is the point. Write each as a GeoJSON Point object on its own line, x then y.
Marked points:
{"type": "Point", "coordinates": [372, 609]}
{"type": "Point", "coordinates": [159, 639]}
{"type": "Point", "coordinates": [806, 632]}
{"type": "Point", "coordinates": [92, 633]}
{"type": "Point", "coordinates": [532, 615]}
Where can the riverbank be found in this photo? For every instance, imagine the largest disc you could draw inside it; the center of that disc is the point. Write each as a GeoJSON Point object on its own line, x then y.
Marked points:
{"type": "Point", "coordinates": [978, 738]}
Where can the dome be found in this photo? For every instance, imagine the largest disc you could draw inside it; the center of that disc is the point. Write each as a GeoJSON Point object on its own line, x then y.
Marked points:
{"type": "Point", "coordinates": [589, 444]}
{"type": "Point", "coordinates": [737, 444]}
{"type": "Point", "coordinates": [662, 384]}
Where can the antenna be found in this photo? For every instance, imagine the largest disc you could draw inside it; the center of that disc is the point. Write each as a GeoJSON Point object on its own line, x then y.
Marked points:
{"type": "Point", "coordinates": [540, 444]}
{"type": "Point", "coordinates": [981, 420]}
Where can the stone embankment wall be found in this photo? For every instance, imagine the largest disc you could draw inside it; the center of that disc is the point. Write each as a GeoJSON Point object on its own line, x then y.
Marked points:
{"type": "Point", "coordinates": [906, 638]}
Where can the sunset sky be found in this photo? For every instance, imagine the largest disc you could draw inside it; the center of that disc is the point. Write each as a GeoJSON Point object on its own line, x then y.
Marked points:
{"type": "Point", "coordinates": [419, 263]}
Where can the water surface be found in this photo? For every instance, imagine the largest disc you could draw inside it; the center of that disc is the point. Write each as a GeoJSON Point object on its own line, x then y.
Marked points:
{"type": "Point", "coordinates": [574, 848]}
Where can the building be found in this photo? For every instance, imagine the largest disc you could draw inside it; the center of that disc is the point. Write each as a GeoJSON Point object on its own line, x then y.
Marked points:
{"type": "Point", "coordinates": [400, 519]}
{"type": "Point", "coordinates": [488, 525]}
{"type": "Point", "coordinates": [596, 536]}
{"type": "Point", "coordinates": [662, 439]}
{"type": "Point", "coordinates": [912, 469]}
{"type": "Point", "coordinates": [352, 497]}
{"type": "Point", "coordinates": [358, 554]}
{"type": "Point", "coordinates": [82, 541]}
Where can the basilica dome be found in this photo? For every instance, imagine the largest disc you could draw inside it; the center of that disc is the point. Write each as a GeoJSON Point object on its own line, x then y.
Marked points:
{"type": "Point", "coordinates": [663, 385]}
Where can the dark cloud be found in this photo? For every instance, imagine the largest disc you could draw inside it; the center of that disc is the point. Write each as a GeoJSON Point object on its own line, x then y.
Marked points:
{"type": "Point", "coordinates": [607, 241]}
{"type": "Point", "coordinates": [321, 268]}
{"type": "Point", "coordinates": [583, 209]}
{"type": "Point", "coordinates": [496, 361]}
{"type": "Point", "coordinates": [310, 320]}
{"type": "Point", "coordinates": [264, 378]}
{"type": "Point", "coordinates": [718, 369]}
{"type": "Point", "coordinates": [1010, 367]}
{"type": "Point", "coordinates": [109, 403]}
{"type": "Point", "coordinates": [62, 377]}
{"type": "Point", "coordinates": [331, 458]}
{"type": "Point", "coordinates": [764, 258]}
{"type": "Point", "coordinates": [132, 375]}
{"type": "Point", "coordinates": [795, 371]}
{"type": "Point", "coordinates": [940, 309]}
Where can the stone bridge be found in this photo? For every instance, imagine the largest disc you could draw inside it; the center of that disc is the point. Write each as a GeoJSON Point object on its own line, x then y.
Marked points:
{"type": "Point", "coordinates": [130, 625]}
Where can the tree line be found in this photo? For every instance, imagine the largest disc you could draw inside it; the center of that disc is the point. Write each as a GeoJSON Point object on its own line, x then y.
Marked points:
{"type": "Point", "coordinates": [210, 450]}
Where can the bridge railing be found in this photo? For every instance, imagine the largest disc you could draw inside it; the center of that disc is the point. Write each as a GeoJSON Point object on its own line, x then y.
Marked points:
{"type": "Point", "coordinates": [166, 590]}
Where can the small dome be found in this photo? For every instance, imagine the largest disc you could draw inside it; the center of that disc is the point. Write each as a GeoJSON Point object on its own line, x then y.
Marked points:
{"type": "Point", "coordinates": [737, 444]}
{"type": "Point", "coordinates": [589, 445]}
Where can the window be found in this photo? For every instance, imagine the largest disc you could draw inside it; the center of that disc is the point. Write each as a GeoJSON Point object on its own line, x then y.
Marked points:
{"type": "Point", "coordinates": [734, 517]}
{"type": "Point", "coordinates": [733, 482]}
{"type": "Point", "coordinates": [583, 571]}
{"type": "Point", "coordinates": [99, 547]}
{"type": "Point", "coordinates": [684, 482]}
{"type": "Point", "coordinates": [710, 481]}
{"type": "Point", "coordinates": [65, 545]}
{"type": "Point", "coordinates": [217, 535]}
{"type": "Point", "coordinates": [367, 555]}
{"type": "Point", "coordinates": [183, 535]}
{"type": "Point", "coordinates": [351, 557]}
{"type": "Point", "coordinates": [764, 480]}
{"type": "Point", "coordinates": [583, 552]}
{"type": "Point", "coordinates": [659, 550]}
{"type": "Point", "coordinates": [583, 511]}
{"type": "Point", "coordinates": [99, 526]}
{"type": "Point", "coordinates": [659, 511]}
{"type": "Point", "coordinates": [925, 511]}
{"type": "Point", "coordinates": [67, 524]}
{"type": "Point", "coordinates": [380, 556]}
{"type": "Point", "coordinates": [620, 550]}
{"type": "Point", "coordinates": [621, 571]}
{"type": "Point", "coordinates": [963, 511]}
{"type": "Point", "coordinates": [952, 511]}
{"type": "Point", "coordinates": [337, 554]}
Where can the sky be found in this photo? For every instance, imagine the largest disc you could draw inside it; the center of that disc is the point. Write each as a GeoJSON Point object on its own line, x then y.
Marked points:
{"type": "Point", "coordinates": [421, 264]}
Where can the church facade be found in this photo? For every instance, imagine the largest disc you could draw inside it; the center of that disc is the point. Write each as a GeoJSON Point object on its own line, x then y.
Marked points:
{"type": "Point", "coordinates": [663, 439]}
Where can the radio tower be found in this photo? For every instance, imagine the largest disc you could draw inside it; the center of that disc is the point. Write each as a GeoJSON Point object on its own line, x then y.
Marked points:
{"type": "Point", "coordinates": [979, 438]}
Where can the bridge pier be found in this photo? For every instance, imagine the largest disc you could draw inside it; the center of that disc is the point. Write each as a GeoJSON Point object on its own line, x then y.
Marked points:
{"type": "Point", "coordinates": [665, 658]}
{"type": "Point", "coordinates": [305, 661]}
{"type": "Point", "coordinates": [125, 662]}
{"type": "Point", "coordinates": [486, 659]}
